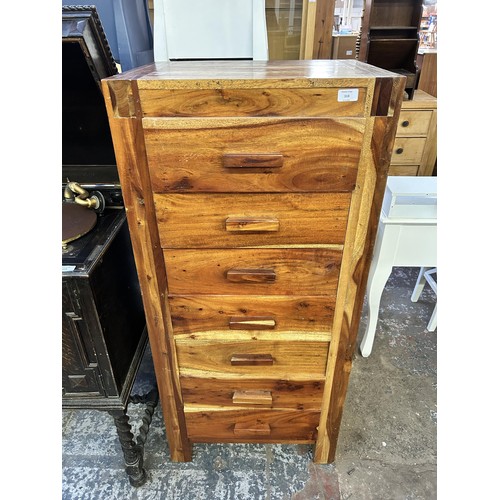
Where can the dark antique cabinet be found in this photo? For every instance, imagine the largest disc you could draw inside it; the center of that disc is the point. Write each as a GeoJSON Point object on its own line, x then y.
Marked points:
{"type": "Point", "coordinates": [389, 37]}
{"type": "Point", "coordinates": [103, 323]}
{"type": "Point", "coordinates": [102, 319]}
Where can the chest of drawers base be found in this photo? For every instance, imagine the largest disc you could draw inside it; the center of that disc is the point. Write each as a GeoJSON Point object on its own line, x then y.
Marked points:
{"type": "Point", "coordinates": [253, 192]}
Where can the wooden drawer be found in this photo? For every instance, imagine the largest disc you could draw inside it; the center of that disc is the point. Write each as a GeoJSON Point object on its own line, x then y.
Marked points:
{"type": "Point", "coordinates": [276, 271]}
{"type": "Point", "coordinates": [252, 358]}
{"type": "Point", "coordinates": [262, 393]}
{"type": "Point", "coordinates": [408, 150]}
{"type": "Point", "coordinates": [313, 102]}
{"type": "Point", "coordinates": [248, 426]}
{"type": "Point", "coordinates": [199, 314]}
{"type": "Point", "coordinates": [413, 123]}
{"type": "Point", "coordinates": [403, 170]}
{"type": "Point", "coordinates": [253, 154]}
{"type": "Point", "coordinates": [233, 220]}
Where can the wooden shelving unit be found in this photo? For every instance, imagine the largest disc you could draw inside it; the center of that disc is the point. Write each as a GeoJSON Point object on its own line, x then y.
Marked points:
{"type": "Point", "coordinates": [390, 37]}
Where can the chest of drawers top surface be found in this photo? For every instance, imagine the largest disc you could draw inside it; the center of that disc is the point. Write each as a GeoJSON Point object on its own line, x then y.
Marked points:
{"type": "Point", "coordinates": [253, 190]}
{"type": "Point", "coordinates": [246, 73]}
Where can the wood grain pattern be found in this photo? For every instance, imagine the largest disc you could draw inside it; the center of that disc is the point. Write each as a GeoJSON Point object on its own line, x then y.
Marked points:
{"type": "Point", "coordinates": [296, 393]}
{"type": "Point", "coordinates": [201, 357]}
{"type": "Point", "coordinates": [252, 323]}
{"type": "Point", "coordinates": [182, 226]}
{"type": "Point", "coordinates": [317, 102]}
{"type": "Point", "coordinates": [318, 154]}
{"type": "Point", "coordinates": [246, 429]}
{"type": "Point", "coordinates": [285, 426]}
{"type": "Point", "coordinates": [360, 240]}
{"type": "Point", "coordinates": [318, 289]}
{"type": "Point", "coordinates": [252, 397]}
{"type": "Point", "coordinates": [252, 360]}
{"type": "Point", "coordinates": [403, 170]}
{"type": "Point", "coordinates": [298, 271]}
{"type": "Point", "coordinates": [251, 275]}
{"type": "Point", "coordinates": [248, 160]}
{"type": "Point", "coordinates": [413, 123]}
{"type": "Point", "coordinates": [242, 224]}
{"type": "Point", "coordinates": [137, 195]}
{"type": "Point", "coordinates": [204, 314]}
{"type": "Point", "coordinates": [408, 150]}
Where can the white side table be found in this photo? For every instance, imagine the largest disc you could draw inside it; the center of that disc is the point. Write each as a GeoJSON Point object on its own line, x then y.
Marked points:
{"type": "Point", "coordinates": [407, 237]}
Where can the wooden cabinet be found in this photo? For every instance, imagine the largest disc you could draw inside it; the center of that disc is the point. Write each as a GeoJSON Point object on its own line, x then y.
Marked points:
{"type": "Point", "coordinates": [389, 37]}
{"type": "Point", "coordinates": [415, 147]}
{"type": "Point", "coordinates": [253, 191]}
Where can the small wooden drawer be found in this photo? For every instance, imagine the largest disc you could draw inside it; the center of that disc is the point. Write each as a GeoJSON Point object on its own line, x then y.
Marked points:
{"type": "Point", "coordinates": [249, 426]}
{"type": "Point", "coordinates": [205, 314]}
{"type": "Point", "coordinates": [251, 359]}
{"type": "Point", "coordinates": [275, 393]}
{"type": "Point", "coordinates": [313, 102]}
{"type": "Point", "coordinates": [408, 150]}
{"type": "Point", "coordinates": [233, 220]}
{"type": "Point", "coordinates": [403, 170]}
{"type": "Point", "coordinates": [413, 123]}
{"type": "Point", "coordinates": [253, 154]}
{"type": "Point", "coordinates": [256, 271]}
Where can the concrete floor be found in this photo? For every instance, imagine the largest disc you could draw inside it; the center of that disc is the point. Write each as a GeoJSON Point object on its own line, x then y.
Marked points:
{"type": "Point", "coordinates": [387, 444]}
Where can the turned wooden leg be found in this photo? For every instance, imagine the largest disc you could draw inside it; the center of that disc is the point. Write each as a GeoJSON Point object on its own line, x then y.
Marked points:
{"type": "Point", "coordinates": [133, 450]}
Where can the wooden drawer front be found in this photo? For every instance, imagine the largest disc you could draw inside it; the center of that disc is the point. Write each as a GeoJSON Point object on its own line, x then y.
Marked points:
{"type": "Point", "coordinates": [247, 426]}
{"type": "Point", "coordinates": [413, 123]}
{"type": "Point", "coordinates": [403, 170]}
{"type": "Point", "coordinates": [264, 393]}
{"type": "Point", "coordinates": [253, 154]}
{"type": "Point", "coordinates": [252, 359]}
{"type": "Point", "coordinates": [232, 220]}
{"type": "Point", "coordinates": [301, 271]}
{"type": "Point", "coordinates": [408, 150]}
{"type": "Point", "coordinates": [198, 314]}
{"type": "Point", "coordinates": [250, 102]}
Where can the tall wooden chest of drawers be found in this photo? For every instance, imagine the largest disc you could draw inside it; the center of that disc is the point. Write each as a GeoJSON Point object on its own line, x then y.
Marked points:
{"type": "Point", "coordinates": [253, 192]}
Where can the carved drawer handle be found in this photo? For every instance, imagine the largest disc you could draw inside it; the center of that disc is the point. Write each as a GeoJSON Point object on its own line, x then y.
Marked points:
{"type": "Point", "coordinates": [256, 429]}
{"type": "Point", "coordinates": [252, 160]}
{"type": "Point", "coordinates": [251, 275]}
{"type": "Point", "coordinates": [252, 398]}
{"type": "Point", "coordinates": [252, 224]}
{"type": "Point", "coordinates": [252, 360]}
{"type": "Point", "coordinates": [252, 323]}
{"type": "Point", "coordinates": [399, 151]}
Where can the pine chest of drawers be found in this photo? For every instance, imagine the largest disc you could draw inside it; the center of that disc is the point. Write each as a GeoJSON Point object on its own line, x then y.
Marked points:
{"type": "Point", "coordinates": [253, 191]}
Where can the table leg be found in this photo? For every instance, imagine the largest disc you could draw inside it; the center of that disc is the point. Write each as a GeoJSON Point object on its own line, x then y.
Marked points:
{"type": "Point", "coordinates": [419, 285]}
{"type": "Point", "coordinates": [133, 450]}
{"type": "Point", "coordinates": [377, 279]}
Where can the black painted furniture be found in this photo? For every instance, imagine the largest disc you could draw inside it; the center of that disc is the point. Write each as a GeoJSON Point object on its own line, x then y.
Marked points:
{"type": "Point", "coordinates": [103, 322]}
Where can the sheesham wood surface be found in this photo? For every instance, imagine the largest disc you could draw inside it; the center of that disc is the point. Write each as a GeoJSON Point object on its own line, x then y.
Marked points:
{"type": "Point", "coordinates": [201, 314]}
{"type": "Point", "coordinates": [318, 154]}
{"type": "Point", "coordinates": [291, 219]}
{"type": "Point", "coordinates": [303, 271]}
{"type": "Point", "coordinates": [289, 360]}
{"type": "Point", "coordinates": [201, 420]}
{"type": "Point", "coordinates": [360, 240]}
{"type": "Point", "coordinates": [251, 425]}
{"type": "Point", "coordinates": [137, 194]}
{"type": "Point", "coordinates": [310, 102]}
{"type": "Point", "coordinates": [296, 393]}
